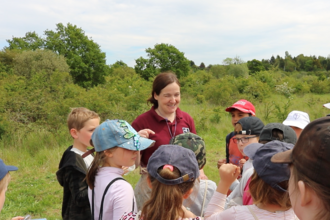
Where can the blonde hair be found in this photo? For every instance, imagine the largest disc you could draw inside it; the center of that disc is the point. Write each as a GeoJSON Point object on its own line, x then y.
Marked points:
{"type": "Point", "coordinates": [263, 193]}
{"type": "Point", "coordinates": [4, 182]}
{"type": "Point", "coordinates": [322, 192]}
{"type": "Point", "coordinates": [165, 202]}
{"type": "Point", "coordinates": [78, 116]}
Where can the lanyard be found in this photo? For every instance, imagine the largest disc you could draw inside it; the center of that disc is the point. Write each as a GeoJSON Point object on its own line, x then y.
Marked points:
{"type": "Point", "coordinates": [169, 130]}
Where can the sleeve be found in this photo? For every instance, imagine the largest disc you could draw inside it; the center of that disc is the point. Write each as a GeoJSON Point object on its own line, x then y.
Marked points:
{"type": "Point", "coordinates": [215, 208]}
{"type": "Point", "coordinates": [191, 123]}
{"type": "Point", "coordinates": [78, 186]}
{"type": "Point", "coordinates": [124, 199]}
{"type": "Point", "coordinates": [137, 124]}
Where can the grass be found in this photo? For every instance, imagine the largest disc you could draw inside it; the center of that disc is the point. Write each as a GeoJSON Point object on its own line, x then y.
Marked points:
{"type": "Point", "coordinates": [36, 152]}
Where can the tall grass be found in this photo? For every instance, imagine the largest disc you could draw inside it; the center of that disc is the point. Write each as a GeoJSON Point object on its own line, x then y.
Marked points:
{"type": "Point", "coordinates": [36, 152]}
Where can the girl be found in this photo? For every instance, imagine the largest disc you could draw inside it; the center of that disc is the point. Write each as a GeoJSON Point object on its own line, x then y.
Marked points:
{"type": "Point", "coordinates": [172, 171]}
{"type": "Point", "coordinates": [309, 187]}
{"type": "Point", "coordinates": [267, 187]}
{"type": "Point", "coordinates": [116, 144]}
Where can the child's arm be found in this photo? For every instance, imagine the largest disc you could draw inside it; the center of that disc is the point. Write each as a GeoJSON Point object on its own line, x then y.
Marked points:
{"type": "Point", "coordinates": [78, 186]}
{"type": "Point", "coordinates": [228, 174]}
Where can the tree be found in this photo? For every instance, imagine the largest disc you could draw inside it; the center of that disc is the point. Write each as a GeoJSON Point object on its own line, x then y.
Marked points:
{"type": "Point", "coordinates": [163, 57]}
{"type": "Point", "coordinates": [202, 66]}
{"type": "Point", "coordinates": [255, 66]}
{"type": "Point", "coordinates": [86, 61]}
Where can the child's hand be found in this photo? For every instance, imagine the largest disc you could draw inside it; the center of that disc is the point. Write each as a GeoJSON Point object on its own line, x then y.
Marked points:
{"type": "Point", "coordinates": [18, 218]}
{"type": "Point", "coordinates": [145, 133]}
{"type": "Point", "coordinates": [242, 162]}
{"type": "Point", "coordinates": [228, 174]}
{"type": "Point", "coordinates": [220, 162]}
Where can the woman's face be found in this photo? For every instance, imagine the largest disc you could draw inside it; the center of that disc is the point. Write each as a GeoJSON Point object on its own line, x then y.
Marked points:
{"type": "Point", "coordinates": [168, 98]}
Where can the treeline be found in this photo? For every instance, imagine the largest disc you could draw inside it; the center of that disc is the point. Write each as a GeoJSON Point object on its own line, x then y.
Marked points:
{"type": "Point", "coordinates": [41, 78]}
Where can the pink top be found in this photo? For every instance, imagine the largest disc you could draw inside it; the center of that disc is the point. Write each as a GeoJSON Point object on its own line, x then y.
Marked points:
{"type": "Point", "coordinates": [119, 198]}
{"type": "Point", "coordinates": [215, 211]}
{"type": "Point", "coordinates": [247, 198]}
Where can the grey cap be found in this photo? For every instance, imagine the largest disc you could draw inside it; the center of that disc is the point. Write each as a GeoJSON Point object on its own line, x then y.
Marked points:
{"type": "Point", "coordinates": [181, 158]}
{"type": "Point", "coordinates": [289, 136]}
{"type": "Point", "coordinates": [272, 173]}
{"type": "Point", "coordinates": [250, 125]}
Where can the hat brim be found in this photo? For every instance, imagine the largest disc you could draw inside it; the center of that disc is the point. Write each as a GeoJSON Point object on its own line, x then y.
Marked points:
{"type": "Point", "coordinates": [295, 124]}
{"type": "Point", "coordinates": [144, 144]}
{"type": "Point", "coordinates": [282, 157]}
{"type": "Point", "coordinates": [11, 168]}
{"type": "Point", "coordinates": [251, 149]}
{"type": "Point", "coordinates": [240, 109]}
{"type": "Point", "coordinates": [327, 105]}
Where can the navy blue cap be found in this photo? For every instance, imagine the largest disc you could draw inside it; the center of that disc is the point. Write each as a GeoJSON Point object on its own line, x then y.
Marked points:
{"type": "Point", "coordinates": [182, 158]}
{"type": "Point", "coordinates": [272, 173]}
{"type": "Point", "coordinates": [4, 169]}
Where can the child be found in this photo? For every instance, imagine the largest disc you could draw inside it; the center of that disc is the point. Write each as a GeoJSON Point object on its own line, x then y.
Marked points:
{"type": "Point", "coordinates": [247, 131]}
{"type": "Point", "coordinates": [117, 144]}
{"type": "Point", "coordinates": [73, 168]}
{"type": "Point", "coordinates": [4, 181]}
{"type": "Point", "coordinates": [204, 188]}
{"type": "Point", "coordinates": [297, 120]}
{"type": "Point", "coordinates": [172, 171]}
{"type": "Point", "coordinates": [268, 188]}
{"type": "Point", "coordinates": [309, 187]}
{"type": "Point", "coordinates": [271, 132]}
{"type": "Point", "coordinates": [238, 110]}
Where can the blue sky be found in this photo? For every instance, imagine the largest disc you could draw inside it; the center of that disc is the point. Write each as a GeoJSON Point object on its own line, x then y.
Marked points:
{"type": "Point", "coordinates": [206, 31]}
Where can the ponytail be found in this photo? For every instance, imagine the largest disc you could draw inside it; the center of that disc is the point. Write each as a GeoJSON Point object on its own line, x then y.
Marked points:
{"type": "Point", "coordinates": [96, 164]}
{"type": "Point", "coordinates": [166, 200]}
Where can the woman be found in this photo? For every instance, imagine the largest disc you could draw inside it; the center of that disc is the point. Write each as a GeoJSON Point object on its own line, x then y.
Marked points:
{"type": "Point", "coordinates": [165, 119]}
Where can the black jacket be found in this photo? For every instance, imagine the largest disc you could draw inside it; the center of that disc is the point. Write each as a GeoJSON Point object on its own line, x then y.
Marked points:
{"type": "Point", "coordinates": [71, 174]}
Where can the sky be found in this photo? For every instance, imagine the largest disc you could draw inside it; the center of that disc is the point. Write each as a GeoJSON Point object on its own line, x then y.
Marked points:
{"type": "Point", "coordinates": [205, 31]}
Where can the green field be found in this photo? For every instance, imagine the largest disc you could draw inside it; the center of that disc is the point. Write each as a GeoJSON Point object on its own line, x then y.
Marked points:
{"type": "Point", "coordinates": [36, 152]}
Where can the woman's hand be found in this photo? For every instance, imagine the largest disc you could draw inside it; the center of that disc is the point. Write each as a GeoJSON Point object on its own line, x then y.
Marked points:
{"type": "Point", "coordinates": [145, 133]}
{"type": "Point", "coordinates": [220, 162]}
{"type": "Point", "coordinates": [18, 218]}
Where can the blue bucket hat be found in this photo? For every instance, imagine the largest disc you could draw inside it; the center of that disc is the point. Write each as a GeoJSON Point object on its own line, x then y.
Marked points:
{"type": "Point", "coordinates": [182, 158]}
{"type": "Point", "coordinates": [118, 133]}
{"type": "Point", "coordinates": [272, 173]}
{"type": "Point", "coordinates": [4, 169]}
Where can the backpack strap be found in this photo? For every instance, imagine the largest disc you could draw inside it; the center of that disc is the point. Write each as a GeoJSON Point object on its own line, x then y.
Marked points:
{"type": "Point", "coordinates": [252, 212]}
{"type": "Point", "coordinates": [102, 201]}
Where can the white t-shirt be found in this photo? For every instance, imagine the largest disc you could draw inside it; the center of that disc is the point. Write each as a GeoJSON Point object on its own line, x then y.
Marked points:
{"type": "Point", "coordinates": [88, 160]}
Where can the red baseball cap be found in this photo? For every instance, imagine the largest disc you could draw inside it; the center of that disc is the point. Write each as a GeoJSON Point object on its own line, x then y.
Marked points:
{"type": "Point", "coordinates": [243, 106]}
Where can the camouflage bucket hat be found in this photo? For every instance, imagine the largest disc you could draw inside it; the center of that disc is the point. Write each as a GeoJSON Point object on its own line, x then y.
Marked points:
{"type": "Point", "coordinates": [193, 142]}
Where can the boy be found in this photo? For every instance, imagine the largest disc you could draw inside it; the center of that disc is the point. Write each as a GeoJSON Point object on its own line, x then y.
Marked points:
{"type": "Point", "coordinates": [238, 110]}
{"type": "Point", "coordinates": [4, 181]}
{"type": "Point", "coordinates": [73, 168]}
{"type": "Point", "coordinates": [297, 120]}
{"type": "Point", "coordinates": [197, 201]}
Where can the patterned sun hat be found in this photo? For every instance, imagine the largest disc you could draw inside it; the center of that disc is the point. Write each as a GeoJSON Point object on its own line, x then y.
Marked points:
{"type": "Point", "coordinates": [193, 142]}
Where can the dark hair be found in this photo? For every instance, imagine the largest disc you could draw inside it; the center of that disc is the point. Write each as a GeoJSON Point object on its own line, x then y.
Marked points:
{"type": "Point", "coordinates": [277, 134]}
{"type": "Point", "coordinates": [166, 200]}
{"type": "Point", "coordinates": [160, 82]}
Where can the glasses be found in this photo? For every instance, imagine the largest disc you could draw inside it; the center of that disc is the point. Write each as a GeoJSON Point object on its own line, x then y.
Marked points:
{"type": "Point", "coordinates": [243, 139]}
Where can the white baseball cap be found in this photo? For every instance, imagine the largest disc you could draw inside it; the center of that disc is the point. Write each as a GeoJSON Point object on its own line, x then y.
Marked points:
{"type": "Point", "coordinates": [327, 105]}
{"type": "Point", "coordinates": [297, 119]}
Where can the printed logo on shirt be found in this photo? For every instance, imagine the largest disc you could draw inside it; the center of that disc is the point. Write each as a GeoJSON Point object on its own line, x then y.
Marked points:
{"type": "Point", "coordinates": [185, 130]}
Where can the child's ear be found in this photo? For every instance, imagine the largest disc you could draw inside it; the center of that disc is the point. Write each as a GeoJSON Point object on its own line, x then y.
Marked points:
{"type": "Point", "coordinates": [305, 193]}
{"type": "Point", "coordinates": [74, 132]}
{"type": "Point", "coordinates": [187, 194]}
{"type": "Point", "coordinates": [108, 153]}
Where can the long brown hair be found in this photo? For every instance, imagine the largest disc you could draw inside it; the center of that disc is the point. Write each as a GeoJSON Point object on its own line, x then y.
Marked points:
{"type": "Point", "coordinates": [99, 161]}
{"type": "Point", "coordinates": [160, 82]}
{"type": "Point", "coordinates": [263, 193]}
{"type": "Point", "coordinates": [165, 202]}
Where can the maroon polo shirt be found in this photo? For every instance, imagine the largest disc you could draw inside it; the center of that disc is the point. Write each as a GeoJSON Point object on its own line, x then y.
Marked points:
{"type": "Point", "coordinates": [161, 127]}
